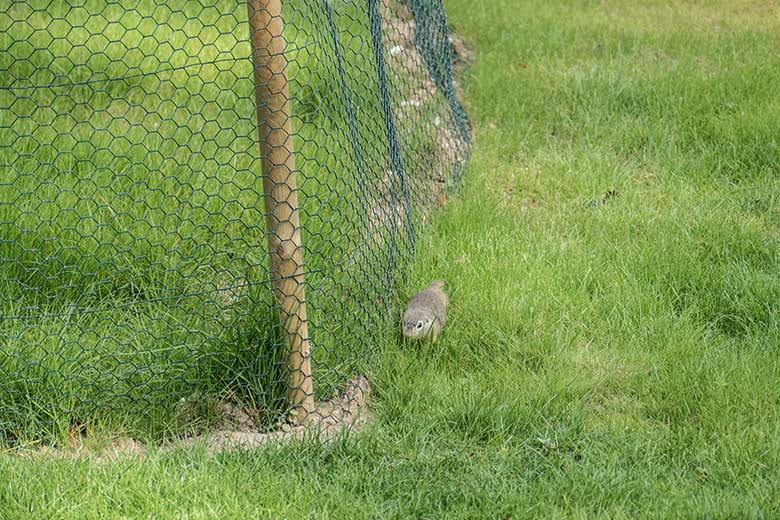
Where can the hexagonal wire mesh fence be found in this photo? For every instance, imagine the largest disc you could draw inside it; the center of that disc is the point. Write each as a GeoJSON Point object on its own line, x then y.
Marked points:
{"type": "Point", "coordinates": [153, 257]}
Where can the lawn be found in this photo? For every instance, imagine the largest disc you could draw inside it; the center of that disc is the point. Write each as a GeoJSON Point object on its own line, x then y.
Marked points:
{"type": "Point", "coordinates": [132, 250]}
{"type": "Point", "coordinates": [613, 264]}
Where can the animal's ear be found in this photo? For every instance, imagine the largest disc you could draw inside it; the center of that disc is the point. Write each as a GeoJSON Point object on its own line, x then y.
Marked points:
{"type": "Point", "coordinates": [437, 284]}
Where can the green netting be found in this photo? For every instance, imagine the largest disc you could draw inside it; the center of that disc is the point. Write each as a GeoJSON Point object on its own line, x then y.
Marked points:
{"type": "Point", "coordinates": [134, 277]}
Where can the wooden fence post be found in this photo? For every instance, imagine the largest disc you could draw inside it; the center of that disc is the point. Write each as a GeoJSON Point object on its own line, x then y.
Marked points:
{"type": "Point", "coordinates": [281, 196]}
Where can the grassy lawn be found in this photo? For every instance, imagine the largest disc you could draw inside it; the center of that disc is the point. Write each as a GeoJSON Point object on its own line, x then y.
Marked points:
{"type": "Point", "coordinates": [132, 250]}
{"type": "Point", "coordinates": [613, 262]}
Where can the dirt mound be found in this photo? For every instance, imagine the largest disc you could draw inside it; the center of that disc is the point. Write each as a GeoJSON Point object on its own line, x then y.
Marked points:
{"type": "Point", "coordinates": [346, 413]}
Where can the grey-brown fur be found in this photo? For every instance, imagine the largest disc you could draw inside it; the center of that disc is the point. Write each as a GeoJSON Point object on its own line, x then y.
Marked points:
{"type": "Point", "coordinates": [426, 313]}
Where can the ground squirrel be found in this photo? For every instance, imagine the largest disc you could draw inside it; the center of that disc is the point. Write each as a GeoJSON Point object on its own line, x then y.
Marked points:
{"type": "Point", "coordinates": [426, 313]}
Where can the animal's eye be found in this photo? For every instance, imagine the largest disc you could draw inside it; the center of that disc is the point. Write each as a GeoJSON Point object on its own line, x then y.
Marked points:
{"type": "Point", "coordinates": [419, 325]}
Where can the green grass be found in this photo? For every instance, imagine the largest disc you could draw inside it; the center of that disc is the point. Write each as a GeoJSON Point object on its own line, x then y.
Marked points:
{"type": "Point", "coordinates": [606, 355]}
{"type": "Point", "coordinates": [131, 211]}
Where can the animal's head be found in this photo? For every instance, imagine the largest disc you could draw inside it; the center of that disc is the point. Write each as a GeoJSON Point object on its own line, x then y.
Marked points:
{"type": "Point", "coordinates": [417, 325]}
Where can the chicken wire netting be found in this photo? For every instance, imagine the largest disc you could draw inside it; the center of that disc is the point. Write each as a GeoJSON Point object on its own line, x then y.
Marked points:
{"type": "Point", "coordinates": [134, 230]}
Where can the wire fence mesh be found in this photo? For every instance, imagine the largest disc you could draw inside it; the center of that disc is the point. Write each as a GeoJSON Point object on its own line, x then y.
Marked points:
{"type": "Point", "coordinates": [138, 213]}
